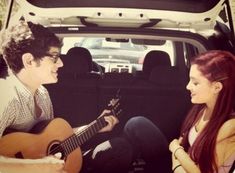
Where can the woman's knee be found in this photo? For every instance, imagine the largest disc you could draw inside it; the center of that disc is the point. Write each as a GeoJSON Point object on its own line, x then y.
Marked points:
{"type": "Point", "coordinates": [141, 128]}
{"type": "Point", "coordinates": [146, 138]}
{"type": "Point", "coordinates": [140, 123]}
{"type": "Point", "coordinates": [137, 121]}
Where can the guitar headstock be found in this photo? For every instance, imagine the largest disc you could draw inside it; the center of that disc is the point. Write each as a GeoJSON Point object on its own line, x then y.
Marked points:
{"type": "Point", "coordinates": [115, 106]}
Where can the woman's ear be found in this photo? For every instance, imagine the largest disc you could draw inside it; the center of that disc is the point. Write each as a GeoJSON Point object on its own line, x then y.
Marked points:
{"type": "Point", "coordinates": [217, 87]}
{"type": "Point", "coordinates": [28, 60]}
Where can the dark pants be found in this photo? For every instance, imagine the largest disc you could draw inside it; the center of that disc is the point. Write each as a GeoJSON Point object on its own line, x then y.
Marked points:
{"type": "Point", "coordinates": [140, 139]}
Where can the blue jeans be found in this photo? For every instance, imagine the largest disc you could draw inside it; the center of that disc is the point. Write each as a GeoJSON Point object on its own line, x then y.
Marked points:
{"type": "Point", "coordinates": [140, 139]}
{"type": "Point", "coordinates": [148, 143]}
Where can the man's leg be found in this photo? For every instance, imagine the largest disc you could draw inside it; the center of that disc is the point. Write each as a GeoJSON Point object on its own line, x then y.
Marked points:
{"type": "Point", "coordinates": [114, 155]}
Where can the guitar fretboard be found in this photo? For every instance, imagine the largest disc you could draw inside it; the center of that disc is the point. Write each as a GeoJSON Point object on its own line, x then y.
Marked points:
{"type": "Point", "coordinates": [80, 138]}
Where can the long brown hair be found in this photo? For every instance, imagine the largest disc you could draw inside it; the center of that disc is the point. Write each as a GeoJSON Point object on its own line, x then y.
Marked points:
{"type": "Point", "coordinates": [219, 66]}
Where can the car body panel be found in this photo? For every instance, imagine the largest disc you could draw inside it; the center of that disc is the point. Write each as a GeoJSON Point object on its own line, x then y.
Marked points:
{"type": "Point", "coordinates": [200, 17]}
{"type": "Point", "coordinates": [186, 15]}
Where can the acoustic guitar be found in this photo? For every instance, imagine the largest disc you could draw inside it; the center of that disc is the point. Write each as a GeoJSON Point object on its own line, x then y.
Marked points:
{"type": "Point", "coordinates": [57, 137]}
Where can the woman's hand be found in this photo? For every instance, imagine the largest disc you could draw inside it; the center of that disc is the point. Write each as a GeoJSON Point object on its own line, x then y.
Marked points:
{"type": "Point", "coordinates": [110, 119]}
{"type": "Point", "coordinates": [175, 144]}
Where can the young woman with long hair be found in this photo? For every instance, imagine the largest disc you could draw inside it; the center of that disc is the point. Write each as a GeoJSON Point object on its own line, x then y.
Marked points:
{"type": "Point", "coordinates": [207, 140]}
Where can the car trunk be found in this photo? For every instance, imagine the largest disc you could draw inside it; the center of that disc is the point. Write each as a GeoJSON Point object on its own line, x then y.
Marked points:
{"type": "Point", "coordinates": [131, 13]}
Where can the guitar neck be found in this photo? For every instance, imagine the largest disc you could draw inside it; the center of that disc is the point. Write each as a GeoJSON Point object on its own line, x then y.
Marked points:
{"type": "Point", "coordinates": [76, 140]}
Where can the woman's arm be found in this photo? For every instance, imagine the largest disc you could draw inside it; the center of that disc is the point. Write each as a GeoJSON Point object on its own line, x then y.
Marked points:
{"type": "Point", "coordinates": [183, 158]}
{"type": "Point", "coordinates": [225, 146]}
{"type": "Point", "coordinates": [176, 166]}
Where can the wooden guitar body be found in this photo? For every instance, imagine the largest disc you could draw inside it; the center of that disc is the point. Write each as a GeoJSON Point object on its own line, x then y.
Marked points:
{"type": "Point", "coordinates": [57, 136]}
{"type": "Point", "coordinates": [34, 146]}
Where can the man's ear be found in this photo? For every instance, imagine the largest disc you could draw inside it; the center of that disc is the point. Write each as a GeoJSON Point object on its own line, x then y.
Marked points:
{"type": "Point", "coordinates": [217, 87]}
{"type": "Point", "coordinates": [28, 60]}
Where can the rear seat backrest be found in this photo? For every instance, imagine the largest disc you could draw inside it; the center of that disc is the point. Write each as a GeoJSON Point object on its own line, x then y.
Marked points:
{"type": "Point", "coordinates": [171, 100]}
{"type": "Point", "coordinates": [161, 95]}
{"type": "Point", "coordinates": [166, 76]}
{"type": "Point", "coordinates": [77, 87]}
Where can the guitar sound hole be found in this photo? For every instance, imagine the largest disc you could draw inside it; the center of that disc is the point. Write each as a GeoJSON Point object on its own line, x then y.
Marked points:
{"type": "Point", "coordinates": [55, 148]}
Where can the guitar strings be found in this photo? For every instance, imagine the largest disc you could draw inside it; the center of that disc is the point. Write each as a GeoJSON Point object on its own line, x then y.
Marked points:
{"type": "Point", "coordinates": [67, 142]}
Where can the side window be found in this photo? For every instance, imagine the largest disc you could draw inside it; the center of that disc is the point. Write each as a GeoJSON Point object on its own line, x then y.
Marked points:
{"type": "Point", "coordinates": [189, 52]}
{"type": "Point", "coordinates": [4, 4]}
{"type": "Point", "coordinates": [3, 11]}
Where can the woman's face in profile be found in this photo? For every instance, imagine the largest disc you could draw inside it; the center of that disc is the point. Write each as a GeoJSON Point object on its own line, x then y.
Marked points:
{"type": "Point", "coordinates": [201, 89]}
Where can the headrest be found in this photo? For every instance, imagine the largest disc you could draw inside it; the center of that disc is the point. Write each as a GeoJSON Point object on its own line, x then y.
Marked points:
{"type": "Point", "coordinates": [78, 60]}
{"type": "Point", "coordinates": [155, 58]}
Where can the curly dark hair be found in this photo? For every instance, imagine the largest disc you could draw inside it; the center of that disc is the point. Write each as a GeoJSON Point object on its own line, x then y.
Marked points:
{"type": "Point", "coordinates": [27, 37]}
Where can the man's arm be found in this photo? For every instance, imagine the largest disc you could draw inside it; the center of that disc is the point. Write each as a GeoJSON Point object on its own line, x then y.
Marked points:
{"type": "Point", "coordinates": [110, 119]}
